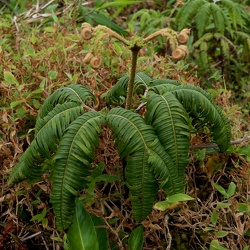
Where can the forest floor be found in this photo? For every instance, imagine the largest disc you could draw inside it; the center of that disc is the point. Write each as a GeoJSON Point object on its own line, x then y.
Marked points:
{"type": "Point", "coordinates": [36, 60]}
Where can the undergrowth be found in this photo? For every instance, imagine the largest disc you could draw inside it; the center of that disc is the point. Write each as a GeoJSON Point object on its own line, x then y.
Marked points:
{"type": "Point", "coordinates": [45, 55]}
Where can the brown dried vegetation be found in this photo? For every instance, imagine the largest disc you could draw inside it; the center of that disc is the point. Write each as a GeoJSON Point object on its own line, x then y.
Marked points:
{"type": "Point", "coordinates": [182, 227]}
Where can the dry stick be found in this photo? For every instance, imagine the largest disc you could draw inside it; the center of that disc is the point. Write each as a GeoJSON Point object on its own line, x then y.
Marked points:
{"type": "Point", "coordinates": [214, 145]}
{"type": "Point", "coordinates": [31, 236]}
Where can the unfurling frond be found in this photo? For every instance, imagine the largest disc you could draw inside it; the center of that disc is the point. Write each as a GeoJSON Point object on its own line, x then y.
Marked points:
{"type": "Point", "coordinates": [72, 164]}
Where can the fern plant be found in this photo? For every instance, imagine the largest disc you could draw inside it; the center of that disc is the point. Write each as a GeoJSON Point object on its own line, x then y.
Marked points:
{"type": "Point", "coordinates": [221, 34]}
{"type": "Point", "coordinates": [154, 145]}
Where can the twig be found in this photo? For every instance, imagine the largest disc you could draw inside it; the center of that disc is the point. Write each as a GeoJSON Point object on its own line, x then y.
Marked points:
{"type": "Point", "coordinates": [168, 236]}
{"type": "Point", "coordinates": [46, 5]}
{"type": "Point", "coordinates": [15, 22]}
{"type": "Point", "coordinates": [31, 236]}
{"type": "Point", "coordinates": [214, 145]}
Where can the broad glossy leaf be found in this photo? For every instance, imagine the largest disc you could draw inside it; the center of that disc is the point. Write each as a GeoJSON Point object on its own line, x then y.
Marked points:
{"type": "Point", "coordinates": [135, 240]}
{"type": "Point", "coordinates": [81, 234]}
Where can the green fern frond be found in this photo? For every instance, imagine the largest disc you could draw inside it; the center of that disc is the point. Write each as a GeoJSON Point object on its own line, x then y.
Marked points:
{"type": "Point", "coordinates": [141, 183]}
{"type": "Point", "coordinates": [72, 164]}
{"type": "Point", "coordinates": [163, 85]}
{"type": "Point", "coordinates": [219, 18]}
{"type": "Point", "coordinates": [205, 38]}
{"type": "Point", "coordinates": [170, 122]}
{"type": "Point", "coordinates": [234, 13]}
{"type": "Point", "coordinates": [244, 39]}
{"type": "Point", "coordinates": [142, 81]}
{"type": "Point", "coordinates": [225, 49]}
{"type": "Point", "coordinates": [187, 12]}
{"type": "Point", "coordinates": [202, 46]}
{"type": "Point", "coordinates": [203, 56]}
{"type": "Point", "coordinates": [118, 93]}
{"type": "Point", "coordinates": [72, 93]}
{"type": "Point", "coordinates": [50, 130]}
{"type": "Point", "coordinates": [202, 18]}
{"type": "Point", "coordinates": [225, 45]}
{"type": "Point", "coordinates": [146, 160]}
{"type": "Point", "coordinates": [163, 81]}
{"type": "Point", "coordinates": [246, 18]}
{"type": "Point", "coordinates": [203, 60]}
{"type": "Point", "coordinates": [200, 105]}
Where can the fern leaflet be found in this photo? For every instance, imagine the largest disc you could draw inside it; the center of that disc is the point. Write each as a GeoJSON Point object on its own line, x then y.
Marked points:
{"type": "Point", "coordinates": [72, 164]}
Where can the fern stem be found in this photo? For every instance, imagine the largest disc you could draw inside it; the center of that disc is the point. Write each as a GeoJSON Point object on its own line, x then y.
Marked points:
{"type": "Point", "coordinates": [135, 49]}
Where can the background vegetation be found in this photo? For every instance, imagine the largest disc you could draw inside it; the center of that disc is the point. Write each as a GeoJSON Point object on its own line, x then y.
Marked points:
{"type": "Point", "coordinates": [41, 50]}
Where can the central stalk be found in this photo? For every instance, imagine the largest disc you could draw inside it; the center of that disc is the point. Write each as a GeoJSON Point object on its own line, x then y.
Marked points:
{"type": "Point", "coordinates": [135, 49]}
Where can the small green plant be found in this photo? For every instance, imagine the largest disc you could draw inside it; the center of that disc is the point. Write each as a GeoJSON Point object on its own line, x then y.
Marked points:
{"type": "Point", "coordinates": [226, 206]}
{"type": "Point", "coordinates": [150, 122]}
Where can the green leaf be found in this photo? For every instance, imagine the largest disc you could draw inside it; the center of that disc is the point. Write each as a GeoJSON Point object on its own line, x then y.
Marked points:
{"type": "Point", "coordinates": [101, 231]}
{"type": "Point", "coordinates": [58, 239]}
{"type": "Point", "coordinates": [209, 229]}
{"type": "Point", "coordinates": [224, 204]}
{"type": "Point", "coordinates": [220, 189]}
{"type": "Point", "coordinates": [231, 189]}
{"type": "Point", "coordinates": [97, 171]}
{"type": "Point", "coordinates": [171, 200]}
{"type": "Point", "coordinates": [243, 207]}
{"type": "Point", "coordinates": [54, 16]}
{"type": "Point", "coordinates": [247, 233]}
{"type": "Point", "coordinates": [44, 222]}
{"type": "Point", "coordinates": [52, 75]}
{"type": "Point", "coordinates": [16, 103]}
{"type": "Point", "coordinates": [216, 246]}
{"type": "Point", "coordinates": [39, 217]}
{"type": "Point", "coordinates": [179, 197]}
{"type": "Point", "coordinates": [245, 150]}
{"type": "Point", "coordinates": [221, 234]}
{"type": "Point", "coordinates": [214, 217]}
{"type": "Point", "coordinates": [10, 78]}
{"type": "Point", "coordinates": [162, 205]}
{"type": "Point", "coordinates": [200, 154]}
{"type": "Point", "coordinates": [135, 241]}
{"type": "Point", "coordinates": [82, 234]}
